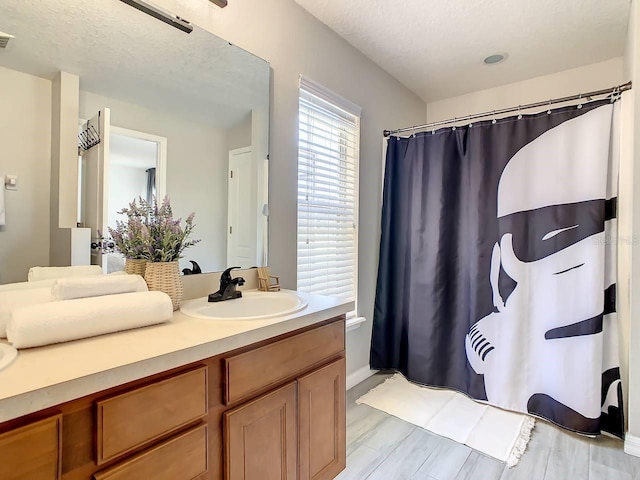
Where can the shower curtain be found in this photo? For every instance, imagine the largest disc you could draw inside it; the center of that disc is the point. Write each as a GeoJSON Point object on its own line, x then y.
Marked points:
{"type": "Point", "coordinates": [151, 185]}
{"type": "Point", "coordinates": [498, 264]}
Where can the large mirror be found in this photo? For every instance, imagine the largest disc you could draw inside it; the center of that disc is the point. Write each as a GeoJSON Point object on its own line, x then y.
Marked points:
{"type": "Point", "coordinates": [177, 113]}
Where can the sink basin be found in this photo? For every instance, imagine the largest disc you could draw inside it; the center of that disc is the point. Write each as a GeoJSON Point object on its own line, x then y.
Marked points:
{"type": "Point", "coordinates": [7, 355]}
{"type": "Point", "coordinates": [253, 305]}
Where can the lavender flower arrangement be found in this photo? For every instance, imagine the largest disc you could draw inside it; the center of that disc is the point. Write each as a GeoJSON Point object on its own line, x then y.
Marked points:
{"type": "Point", "coordinates": [151, 233]}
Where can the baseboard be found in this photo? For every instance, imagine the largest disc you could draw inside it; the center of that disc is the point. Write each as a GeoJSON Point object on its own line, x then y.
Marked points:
{"type": "Point", "coordinates": [358, 376]}
{"type": "Point", "coordinates": [632, 445]}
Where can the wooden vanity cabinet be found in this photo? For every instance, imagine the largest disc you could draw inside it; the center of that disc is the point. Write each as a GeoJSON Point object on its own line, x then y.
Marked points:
{"type": "Point", "coordinates": [32, 451]}
{"type": "Point", "coordinates": [271, 410]}
{"type": "Point", "coordinates": [297, 431]}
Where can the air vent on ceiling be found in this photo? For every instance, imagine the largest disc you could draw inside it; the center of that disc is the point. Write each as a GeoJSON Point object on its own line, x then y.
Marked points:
{"type": "Point", "coordinates": [4, 39]}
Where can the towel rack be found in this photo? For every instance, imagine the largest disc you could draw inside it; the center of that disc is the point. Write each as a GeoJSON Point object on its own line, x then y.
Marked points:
{"type": "Point", "coordinates": [89, 136]}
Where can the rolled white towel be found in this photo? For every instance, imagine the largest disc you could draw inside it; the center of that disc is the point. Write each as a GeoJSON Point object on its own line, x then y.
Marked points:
{"type": "Point", "coordinates": [26, 285]}
{"type": "Point", "coordinates": [86, 317]}
{"type": "Point", "coordinates": [20, 298]}
{"type": "Point", "coordinates": [44, 283]}
{"type": "Point", "coordinates": [47, 273]}
{"type": "Point", "coordinates": [96, 286]}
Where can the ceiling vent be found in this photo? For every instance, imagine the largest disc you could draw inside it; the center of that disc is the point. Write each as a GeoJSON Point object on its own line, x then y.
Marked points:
{"type": "Point", "coordinates": [4, 39]}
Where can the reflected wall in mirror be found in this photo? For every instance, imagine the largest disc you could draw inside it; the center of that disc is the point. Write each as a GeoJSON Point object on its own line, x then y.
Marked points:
{"type": "Point", "coordinates": [177, 113]}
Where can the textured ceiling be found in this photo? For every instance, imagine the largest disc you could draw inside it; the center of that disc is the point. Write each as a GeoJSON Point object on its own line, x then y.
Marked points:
{"type": "Point", "coordinates": [437, 47]}
{"type": "Point", "coordinates": [122, 53]}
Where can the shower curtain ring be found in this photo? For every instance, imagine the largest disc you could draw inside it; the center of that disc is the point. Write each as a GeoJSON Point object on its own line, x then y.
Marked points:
{"type": "Point", "coordinates": [494, 121]}
{"type": "Point", "coordinates": [519, 114]}
{"type": "Point", "coordinates": [615, 94]}
{"type": "Point", "coordinates": [454, 122]}
{"type": "Point", "coordinates": [549, 111]}
{"type": "Point", "coordinates": [580, 101]}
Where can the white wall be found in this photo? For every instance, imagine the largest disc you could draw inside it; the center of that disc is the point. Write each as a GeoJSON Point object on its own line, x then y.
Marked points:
{"type": "Point", "coordinates": [239, 136]}
{"type": "Point", "coordinates": [196, 172]}
{"type": "Point", "coordinates": [260, 152]}
{"type": "Point", "coordinates": [295, 43]}
{"type": "Point", "coordinates": [25, 150]}
{"type": "Point", "coordinates": [63, 198]}
{"type": "Point", "coordinates": [126, 184]}
{"type": "Point", "coordinates": [569, 82]}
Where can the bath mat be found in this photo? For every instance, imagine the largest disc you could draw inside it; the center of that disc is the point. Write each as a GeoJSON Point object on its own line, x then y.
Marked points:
{"type": "Point", "coordinates": [495, 432]}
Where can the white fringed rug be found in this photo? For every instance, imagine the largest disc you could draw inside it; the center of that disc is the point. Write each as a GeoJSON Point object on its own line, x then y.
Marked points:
{"type": "Point", "coordinates": [495, 432]}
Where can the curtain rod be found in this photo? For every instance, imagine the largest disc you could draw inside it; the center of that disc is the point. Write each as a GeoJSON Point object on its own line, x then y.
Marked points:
{"type": "Point", "coordinates": [614, 90]}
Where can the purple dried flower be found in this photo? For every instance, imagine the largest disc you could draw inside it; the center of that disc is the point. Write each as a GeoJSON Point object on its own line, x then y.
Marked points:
{"type": "Point", "coordinates": [151, 232]}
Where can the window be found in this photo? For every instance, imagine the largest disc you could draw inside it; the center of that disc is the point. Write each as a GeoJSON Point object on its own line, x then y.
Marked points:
{"type": "Point", "coordinates": [328, 151]}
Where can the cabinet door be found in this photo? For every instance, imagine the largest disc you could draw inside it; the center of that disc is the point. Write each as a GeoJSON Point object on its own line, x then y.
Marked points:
{"type": "Point", "coordinates": [32, 452]}
{"type": "Point", "coordinates": [322, 422]}
{"type": "Point", "coordinates": [261, 437]}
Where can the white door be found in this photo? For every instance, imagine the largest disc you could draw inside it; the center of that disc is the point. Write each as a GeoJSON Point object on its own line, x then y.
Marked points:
{"type": "Point", "coordinates": [242, 211]}
{"type": "Point", "coordinates": [135, 160]}
{"type": "Point", "coordinates": [95, 189]}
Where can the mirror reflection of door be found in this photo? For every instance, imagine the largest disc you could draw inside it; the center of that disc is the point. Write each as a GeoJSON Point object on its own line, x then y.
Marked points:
{"type": "Point", "coordinates": [95, 179]}
{"type": "Point", "coordinates": [242, 211]}
{"type": "Point", "coordinates": [133, 173]}
{"type": "Point", "coordinates": [133, 167]}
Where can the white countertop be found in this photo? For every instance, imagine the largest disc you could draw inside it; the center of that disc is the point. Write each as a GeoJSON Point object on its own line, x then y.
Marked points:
{"type": "Point", "coordinates": [48, 376]}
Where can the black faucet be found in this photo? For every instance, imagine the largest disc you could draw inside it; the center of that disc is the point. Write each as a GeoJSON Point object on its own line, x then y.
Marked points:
{"type": "Point", "coordinates": [192, 271]}
{"type": "Point", "coordinates": [227, 287]}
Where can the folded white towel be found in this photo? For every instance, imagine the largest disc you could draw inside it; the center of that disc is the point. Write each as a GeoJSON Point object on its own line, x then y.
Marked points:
{"type": "Point", "coordinates": [96, 286]}
{"type": "Point", "coordinates": [20, 298]}
{"type": "Point", "coordinates": [48, 273]}
{"type": "Point", "coordinates": [86, 317]}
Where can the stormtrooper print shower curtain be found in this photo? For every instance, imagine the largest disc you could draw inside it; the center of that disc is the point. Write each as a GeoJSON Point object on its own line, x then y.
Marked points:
{"type": "Point", "coordinates": [498, 264]}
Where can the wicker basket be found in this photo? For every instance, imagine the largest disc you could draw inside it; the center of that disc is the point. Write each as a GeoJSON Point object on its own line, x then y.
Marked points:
{"type": "Point", "coordinates": [135, 266]}
{"type": "Point", "coordinates": [165, 277]}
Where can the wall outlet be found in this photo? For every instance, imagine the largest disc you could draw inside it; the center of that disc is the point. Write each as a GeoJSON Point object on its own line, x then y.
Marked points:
{"type": "Point", "coordinates": [11, 182]}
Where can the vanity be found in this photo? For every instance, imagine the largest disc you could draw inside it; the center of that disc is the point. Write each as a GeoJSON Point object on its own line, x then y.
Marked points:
{"type": "Point", "coordinates": [233, 400]}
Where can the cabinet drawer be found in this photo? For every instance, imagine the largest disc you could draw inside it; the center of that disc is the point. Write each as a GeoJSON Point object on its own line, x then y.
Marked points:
{"type": "Point", "coordinates": [254, 371]}
{"type": "Point", "coordinates": [133, 419]}
{"type": "Point", "coordinates": [32, 452]}
{"type": "Point", "coordinates": [183, 457]}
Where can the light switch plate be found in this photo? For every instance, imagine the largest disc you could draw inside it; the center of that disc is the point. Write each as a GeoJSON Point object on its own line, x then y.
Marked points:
{"type": "Point", "coordinates": [11, 182]}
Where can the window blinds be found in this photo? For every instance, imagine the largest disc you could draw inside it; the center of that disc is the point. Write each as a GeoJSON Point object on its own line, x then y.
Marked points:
{"type": "Point", "coordinates": [328, 150]}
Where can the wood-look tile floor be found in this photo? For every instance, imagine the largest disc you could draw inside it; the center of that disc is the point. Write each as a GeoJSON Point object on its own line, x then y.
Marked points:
{"type": "Point", "coordinates": [382, 447]}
